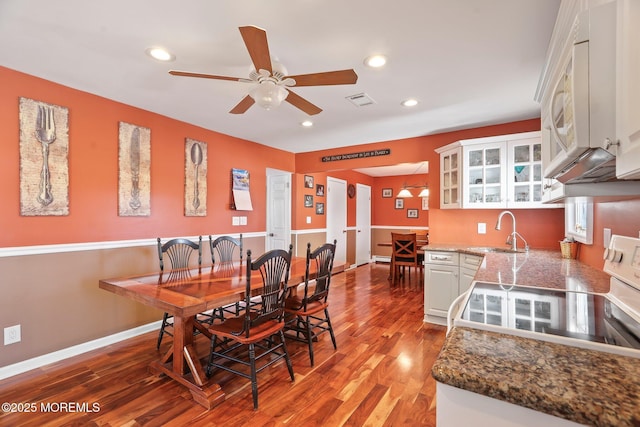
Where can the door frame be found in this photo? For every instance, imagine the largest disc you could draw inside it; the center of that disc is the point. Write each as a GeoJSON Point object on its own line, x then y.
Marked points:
{"type": "Point", "coordinates": [270, 173]}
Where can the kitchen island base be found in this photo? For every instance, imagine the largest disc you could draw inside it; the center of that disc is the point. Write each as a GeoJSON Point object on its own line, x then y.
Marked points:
{"type": "Point", "coordinates": [457, 407]}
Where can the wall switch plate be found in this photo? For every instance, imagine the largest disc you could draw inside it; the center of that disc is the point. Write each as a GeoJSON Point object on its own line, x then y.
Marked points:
{"type": "Point", "coordinates": [243, 220]}
{"type": "Point", "coordinates": [12, 334]}
{"type": "Point", "coordinates": [308, 220]}
{"type": "Point", "coordinates": [482, 228]}
{"type": "Point", "coordinates": [607, 237]}
{"type": "Point", "coordinates": [235, 220]}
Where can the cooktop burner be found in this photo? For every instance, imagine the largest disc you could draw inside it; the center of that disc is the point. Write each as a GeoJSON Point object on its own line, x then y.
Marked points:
{"type": "Point", "coordinates": [565, 315]}
{"type": "Point", "coordinates": [605, 322]}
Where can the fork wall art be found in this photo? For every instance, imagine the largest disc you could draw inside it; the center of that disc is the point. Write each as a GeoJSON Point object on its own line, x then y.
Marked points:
{"type": "Point", "coordinates": [195, 178]}
{"type": "Point", "coordinates": [134, 170]}
{"type": "Point", "coordinates": [44, 159]}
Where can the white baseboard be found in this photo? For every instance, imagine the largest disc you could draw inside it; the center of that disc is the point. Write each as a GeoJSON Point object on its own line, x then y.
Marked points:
{"type": "Point", "coordinates": [381, 258]}
{"type": "Point", "coordinates": [56, 356]}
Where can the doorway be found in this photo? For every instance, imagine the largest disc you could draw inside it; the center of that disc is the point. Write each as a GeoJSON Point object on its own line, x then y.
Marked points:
{"type": "Point", "coordinates": [363, 224]}
{"type": "Point", "coordinates": [336, 210]}
{"type": "Point", "coordinates": [278, 210]}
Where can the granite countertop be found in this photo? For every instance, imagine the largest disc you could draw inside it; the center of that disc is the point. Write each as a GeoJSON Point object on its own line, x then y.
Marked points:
{"type": "Point", "coordinates": [585, 386]}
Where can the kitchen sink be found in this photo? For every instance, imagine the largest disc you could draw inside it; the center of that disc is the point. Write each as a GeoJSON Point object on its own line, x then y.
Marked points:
{"type": "Point", "coordinates": [495, 249]}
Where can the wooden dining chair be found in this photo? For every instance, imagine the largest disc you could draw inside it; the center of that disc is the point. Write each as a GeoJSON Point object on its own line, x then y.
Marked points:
{"type": "Point", "coordinates": [223, 250]}
{"type": "Point", "coordinates": [178, 253]}
{"type": "Point", "coordinates": [307, 316]}
{"type": "Point", "coordinates": [251, 342]}
{"type": "Point", "coordinates": [404, 255]}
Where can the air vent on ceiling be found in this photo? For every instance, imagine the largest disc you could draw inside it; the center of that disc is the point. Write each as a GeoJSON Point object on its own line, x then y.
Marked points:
{"type": "Point", "coordinates": [361, 99]}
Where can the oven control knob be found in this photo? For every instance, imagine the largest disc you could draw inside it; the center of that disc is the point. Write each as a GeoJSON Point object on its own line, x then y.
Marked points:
{"type": "Point", "coordinates": [617, 256]}
{"type": "Point", "coordinates": [605, 256]}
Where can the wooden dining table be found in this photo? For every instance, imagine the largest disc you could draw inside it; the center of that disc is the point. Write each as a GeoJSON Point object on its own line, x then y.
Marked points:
{"type": "Point", "coordinates": [183, 294]}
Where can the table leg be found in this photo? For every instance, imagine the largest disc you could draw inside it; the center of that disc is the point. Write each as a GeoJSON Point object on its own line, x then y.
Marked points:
{"type": "Point", "coordinates": [182, 364]}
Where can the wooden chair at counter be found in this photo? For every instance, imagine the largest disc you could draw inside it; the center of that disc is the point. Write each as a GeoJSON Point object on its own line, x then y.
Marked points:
{"type": "Point", "coordinates": [259, 325]}
{"type": "Point", "coordinates": [308, 315]}
{"type": "Point", "coordinates": [404, 254]}
{"type": "Point", "coordinates": [179, 252]}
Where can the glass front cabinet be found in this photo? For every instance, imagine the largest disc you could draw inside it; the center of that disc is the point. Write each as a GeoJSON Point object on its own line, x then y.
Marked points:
{"type": "Point", "coordinates": [497, 172]}
{"type": "Point", "coordinates": [450, 178]}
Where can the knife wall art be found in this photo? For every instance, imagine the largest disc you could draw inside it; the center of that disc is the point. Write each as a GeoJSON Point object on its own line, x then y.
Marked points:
{"type": "Point", "coordinates": [44, 159]}
{"type": "Point", "coordinates": [195, 178]}
{"type": "Point", "coordinates": [134, 170]}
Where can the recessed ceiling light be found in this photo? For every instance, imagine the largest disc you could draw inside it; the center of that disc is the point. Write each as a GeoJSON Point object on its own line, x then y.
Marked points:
{"type": "Point", "coordinates": [375, 61]}
{"type": "Point", "coordinates": [307, 123]}
{"type": "Point", "coordinates": [160, 54]}
{"type": "Point", "coordinates": [410, 102]}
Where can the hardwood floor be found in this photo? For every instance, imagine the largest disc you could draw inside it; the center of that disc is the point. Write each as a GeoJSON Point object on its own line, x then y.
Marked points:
{"type": "Point", "coordinates": [380, 375]}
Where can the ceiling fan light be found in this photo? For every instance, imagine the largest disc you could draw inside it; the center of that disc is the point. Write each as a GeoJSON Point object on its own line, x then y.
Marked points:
{"type": "Point", "coordinates": [268, 95]}
{"type": "Point", "coordinates": [404, 193]}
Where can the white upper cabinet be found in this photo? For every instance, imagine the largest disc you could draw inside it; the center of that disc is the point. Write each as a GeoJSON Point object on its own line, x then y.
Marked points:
{"type": "Point", "coordinates": [485, 174]}
{"type": "Point", "coordinates": [497, 172]}
{"type": "Point", "coordinates": [450, 189]}
{"type": "Point", "coordinates": [628, 89]}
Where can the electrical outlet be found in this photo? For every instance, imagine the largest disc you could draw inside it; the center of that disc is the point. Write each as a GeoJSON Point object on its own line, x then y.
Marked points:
{"type": "Point", "coordinates": [12, 334]}
{"type": "Point", "coordinates": [482, 228]}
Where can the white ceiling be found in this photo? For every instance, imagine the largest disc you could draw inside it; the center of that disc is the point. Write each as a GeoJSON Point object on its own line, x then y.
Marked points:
{"type": "Point", "coordinates": [469, 62]}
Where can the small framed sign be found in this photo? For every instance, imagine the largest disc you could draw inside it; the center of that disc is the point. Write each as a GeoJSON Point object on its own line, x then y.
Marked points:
{"type": "Point", "coordinates": [387, 193]}
{"type": "Point", "coordinates": [412, 213]}
{"type": "Point", "coordinates": [399, 203]}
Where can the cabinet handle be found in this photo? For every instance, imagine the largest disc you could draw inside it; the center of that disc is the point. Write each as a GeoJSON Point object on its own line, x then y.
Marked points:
{"type": "Point", "coordinates": [441, 258]}
{"type": "Point", "coordinates": [608, 143]}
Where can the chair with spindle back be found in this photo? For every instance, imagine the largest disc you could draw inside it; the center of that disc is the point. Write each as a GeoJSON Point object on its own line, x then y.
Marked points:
{"type": "Point", "coordinates": [178, 252]}
{"type": "Point", "coordinates": [309, 314]}
{"type": "Point", "coordinates": [246, 344]}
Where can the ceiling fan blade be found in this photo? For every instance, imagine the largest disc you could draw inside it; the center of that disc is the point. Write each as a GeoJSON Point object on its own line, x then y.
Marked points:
{"type": "Point", "coordinates": [256, 41]}
{"type": "Point", "coordinates": [243, 105]}
{"type": "Point", "coordinates": [204, 76]}
{"type": "Point", "coordinates": [341, 77]}
{"type": "Point", "coordinates": [301, 103]}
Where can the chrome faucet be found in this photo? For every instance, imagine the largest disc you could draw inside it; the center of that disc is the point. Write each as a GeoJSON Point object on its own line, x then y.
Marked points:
{"type": "Point", "coordinates": [512, 239]}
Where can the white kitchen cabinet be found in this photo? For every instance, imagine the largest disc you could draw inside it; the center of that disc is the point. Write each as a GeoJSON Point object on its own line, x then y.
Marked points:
{"type": "Point", "coordinates": [628, 89]}
{"type": "Point", "coordinates": [447, 275]}
{"type": "Point", "coordinates": [450, 193]}
{"type": "Point", "coordinates": [468, 267]}
{"type": "Point", "coordinates": [502, 172]}
{"type": "Point", "coordinates": [484, 173]}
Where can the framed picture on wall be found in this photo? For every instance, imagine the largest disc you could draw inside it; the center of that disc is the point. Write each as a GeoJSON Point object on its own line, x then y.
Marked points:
{"type": "Point", "coordinates": [399, 203]}
{"type": "Point", "coordinates": [319, 208]}
{"type": "Point", "coordinates": [412, 213]}
{"type": "Point", "coordinates": [320, 190]}
{"type": "Point", "coordinates": [387, 193]}
{"type": "Point", "coordinates": [308, 201]}
{"type": "Point", "coordinates": [308, 181]}
{"type": "Point", "coordinates": [425, 203]}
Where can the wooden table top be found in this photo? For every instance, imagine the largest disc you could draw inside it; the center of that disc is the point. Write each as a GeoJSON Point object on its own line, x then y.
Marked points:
{"type": "Point", "coordinates": [186, 292]}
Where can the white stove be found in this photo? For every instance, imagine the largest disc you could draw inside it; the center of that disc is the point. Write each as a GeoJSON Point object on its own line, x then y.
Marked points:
{"type": "Point", "coordinates": [606, 322]}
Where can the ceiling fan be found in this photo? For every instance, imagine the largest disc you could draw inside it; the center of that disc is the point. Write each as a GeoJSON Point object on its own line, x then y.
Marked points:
{"type": "Point", "coordinates": [272, 84]}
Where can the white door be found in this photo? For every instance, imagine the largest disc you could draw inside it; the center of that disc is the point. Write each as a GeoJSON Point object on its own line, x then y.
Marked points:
{"type": "Point", "coordinates": [278, 210]}
{"type": "Point", "coordinates": [363, 224]}
{"type": "Point", "coordinates": [336, 210]}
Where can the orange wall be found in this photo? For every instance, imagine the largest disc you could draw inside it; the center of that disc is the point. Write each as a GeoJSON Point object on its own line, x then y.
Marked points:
{"type": "Point", "coordinates": [300, 212]}
{"type": "Point", "coordinates": [384, 210]}
{"type": "Point", "coordinates": [542, 228]}
{"type": "Point", "coordinates": [93, 171]}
